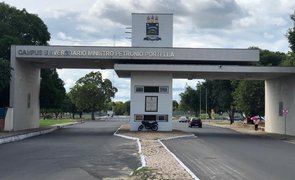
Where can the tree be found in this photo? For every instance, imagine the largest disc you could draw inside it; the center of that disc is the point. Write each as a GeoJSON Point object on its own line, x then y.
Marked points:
{"type": "Point", "coordinates": [219, 95]}
{"type": "Point", "coordinates": [4, 73]}
{"type": "Point", "coordinates": [175, 105]}
{"type": "Point", "coordinates": [17, 27]}
{"type": "Point", "coordinates": [91, 93]}
{"type": "Point", "coordinates": [52, 93]}
{"type": "Point", "coordinates": [122, 108]}
{"type": "Point", "coordinates": [249, 97]}
{"type": "Point", "coordinates": [290, 58]}
{"type": "Point", "coordinates": [20, 27]}
{"type": "Point", "coordinates": [189, 100]}
{"type": "Point", "coordinates": [119, 108]}
{"type": "Point", "coordinates": [291, 34]}
{"type": "Point", "coordinates": [127, 107]}
{"type": "Point", "coordinates": [69, 106]}
{"type": "Point", "coordinates": [269, 58]}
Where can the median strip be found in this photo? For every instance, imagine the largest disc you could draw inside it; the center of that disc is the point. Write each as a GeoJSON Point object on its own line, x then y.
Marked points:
{"type": "Point", "coordinates": [161, 163]}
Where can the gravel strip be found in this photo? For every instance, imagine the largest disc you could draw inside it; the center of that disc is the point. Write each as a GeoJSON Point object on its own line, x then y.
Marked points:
{"type": "Point", "coordinates": [158, 159]}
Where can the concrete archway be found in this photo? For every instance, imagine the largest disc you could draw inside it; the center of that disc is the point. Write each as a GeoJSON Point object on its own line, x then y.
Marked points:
{"type": "Point", "coordinates": [134, 63]}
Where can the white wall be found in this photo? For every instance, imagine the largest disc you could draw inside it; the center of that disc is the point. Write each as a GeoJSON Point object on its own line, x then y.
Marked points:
{"type": "Point", "coordinates": [276, 91]}
{"type": "Point", "coordinates": [138, 99]}
{"type": "Point", "coordinates": [25, 85]}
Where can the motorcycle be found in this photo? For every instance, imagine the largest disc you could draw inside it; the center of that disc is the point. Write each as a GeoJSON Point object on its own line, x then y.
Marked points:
{"type": "Point", "coordinates": [148, 125]}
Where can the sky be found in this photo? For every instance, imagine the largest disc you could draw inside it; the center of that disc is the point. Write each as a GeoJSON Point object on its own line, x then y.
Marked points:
{"type": "Point", "coordinates": [197, 24]}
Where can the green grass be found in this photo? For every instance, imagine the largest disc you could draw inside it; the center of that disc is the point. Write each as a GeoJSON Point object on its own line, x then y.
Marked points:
{"type": "Point", "coordinates": [50, 122]}
{"type": "Point", "coordinates": [144, 173]}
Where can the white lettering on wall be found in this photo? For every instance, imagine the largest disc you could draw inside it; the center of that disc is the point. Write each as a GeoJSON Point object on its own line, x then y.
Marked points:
{"type": "Point", "coordinates": [95, 53]}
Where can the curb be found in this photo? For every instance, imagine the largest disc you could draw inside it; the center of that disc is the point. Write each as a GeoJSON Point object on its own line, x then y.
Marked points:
{"type": "Point", "coordinates": [142, 158]}
{"type": "Point", "coordinates": [25, 136]}
{"type": "Point", "coordinates": [180, 162]}
{"type": "Point", "coordinates": [143, 162]}
{"type": "Point", "coordinates": [20, 137]}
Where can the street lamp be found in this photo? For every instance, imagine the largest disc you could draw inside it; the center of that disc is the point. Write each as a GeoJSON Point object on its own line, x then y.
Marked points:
{"type": "Point", "coordinates": [206, 105]}
{"type": "Point", "coordinates": [199, 86]}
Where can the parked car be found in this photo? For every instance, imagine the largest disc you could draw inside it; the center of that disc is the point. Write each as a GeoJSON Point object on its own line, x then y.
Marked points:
{"type": "Point", "coordinates": [253, 119]}
{"type": "Point", "coordinates": [195, 122]}
{"type": "Point", "coordinates": [183, 119]}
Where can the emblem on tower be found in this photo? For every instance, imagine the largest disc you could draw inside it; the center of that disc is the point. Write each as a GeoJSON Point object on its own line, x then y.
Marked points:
{"type": "Point", "coordinates": [152, 29]}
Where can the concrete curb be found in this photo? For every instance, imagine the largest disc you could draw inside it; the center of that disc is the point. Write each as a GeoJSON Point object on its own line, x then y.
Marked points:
{"type": "Point", "coordinates": [20, 137]}
{"type": "Point", "coordinates": [26, 135]}
{"type": "Point", "coordinates": [143, 162]}
{"type": "Point", "coordinates": [176, 158]}
{"type": "Point", "coordinates": [142, 158]}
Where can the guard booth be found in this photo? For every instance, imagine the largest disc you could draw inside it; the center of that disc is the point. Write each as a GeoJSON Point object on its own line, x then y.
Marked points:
{"type": "Point", "coordinates": [151, 92]}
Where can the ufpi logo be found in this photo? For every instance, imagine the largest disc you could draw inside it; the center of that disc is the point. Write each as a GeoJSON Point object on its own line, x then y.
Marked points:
{"type": "Point", "coordinates": [152, 29]}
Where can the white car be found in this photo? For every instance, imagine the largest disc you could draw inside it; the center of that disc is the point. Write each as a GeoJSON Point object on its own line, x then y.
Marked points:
{"type": "Point", "coordinates": [183, 119]}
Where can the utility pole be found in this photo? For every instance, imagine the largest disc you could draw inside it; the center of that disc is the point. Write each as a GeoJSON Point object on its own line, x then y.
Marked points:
{"type": "Point", "coordinates": [200, 98]}
{"type": "Point", "coordinates": [206, 105]}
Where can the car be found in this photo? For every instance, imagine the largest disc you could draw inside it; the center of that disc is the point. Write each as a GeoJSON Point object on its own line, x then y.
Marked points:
{"type": "Point", "coordinates": [183, 119]}
{"type": "Point", "coordinates": [253, 120]}
{"type": "Point", "coordinates": [195, 122]}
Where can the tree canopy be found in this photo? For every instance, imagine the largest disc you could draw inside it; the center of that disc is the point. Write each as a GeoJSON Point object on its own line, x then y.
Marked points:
{"type": "Point", "coordinates": [17, 27]}
{"type": "Point", "coordinates": [249, 97]}
{"type": "Point", "coordinates": [20, 27]}
{"type": "Point", "coordinates": [91, 93]}
{"type": "Point", "coordinates": [121, 108]}
{"type": "Point", "coordinates": [290, 57]}
{"type": "Point", "coordinates": [4, 73]}
{"type": "Point", "coordinates": [52, 92]}
{"type": "Point", "coordinates": [291, 34]}
{"type": "Point", "coordinates": [189, 100]}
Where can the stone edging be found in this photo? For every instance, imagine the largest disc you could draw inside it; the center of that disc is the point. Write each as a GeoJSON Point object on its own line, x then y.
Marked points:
{"type": "Point", "coordinates": [143, 162]}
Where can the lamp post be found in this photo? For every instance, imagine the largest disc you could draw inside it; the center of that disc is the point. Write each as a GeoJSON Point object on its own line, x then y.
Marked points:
{"type": "Point", "coordinates": [206, 105]}
{"type": "Point", "coordinates": [200, 100]}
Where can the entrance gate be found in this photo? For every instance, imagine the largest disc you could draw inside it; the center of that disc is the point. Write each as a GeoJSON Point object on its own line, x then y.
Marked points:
{"type": "Point", "coordinates": [151, 71]}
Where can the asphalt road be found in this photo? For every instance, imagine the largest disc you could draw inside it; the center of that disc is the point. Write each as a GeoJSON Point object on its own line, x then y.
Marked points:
{"type": "Point", "coordinates": [86, 151]}
{"type": "Point", "coordinates": [219, 153]}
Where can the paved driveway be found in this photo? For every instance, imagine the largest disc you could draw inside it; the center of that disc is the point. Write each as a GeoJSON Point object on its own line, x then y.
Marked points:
{"type": "Point", "coordinates": [84, 151]}
{"type": "Point", "coordinates": [218, 153]}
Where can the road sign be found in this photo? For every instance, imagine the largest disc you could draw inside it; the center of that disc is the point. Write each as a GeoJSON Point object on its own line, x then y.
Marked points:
{"type": "Point", "coordinates": [285, 111]}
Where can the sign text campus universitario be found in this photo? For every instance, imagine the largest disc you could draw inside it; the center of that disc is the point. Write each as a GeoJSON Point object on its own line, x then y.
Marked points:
{"type": "Point", "coordinates": [94, 53]}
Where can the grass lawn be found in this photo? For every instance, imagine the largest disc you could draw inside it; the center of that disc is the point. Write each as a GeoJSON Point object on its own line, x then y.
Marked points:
{"type": "Point", "coordinates": [50, 122]}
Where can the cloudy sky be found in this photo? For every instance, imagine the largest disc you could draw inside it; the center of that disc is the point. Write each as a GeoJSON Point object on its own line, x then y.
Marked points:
{"type": "Point", "coordinates": [197, 23]}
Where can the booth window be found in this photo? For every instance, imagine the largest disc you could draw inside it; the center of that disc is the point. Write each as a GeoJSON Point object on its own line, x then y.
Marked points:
{"type": "Point", "coordinates": [151, 117]}
{"type": "Point", "coordinates": [163, 117]}
{"type": "Point", "coordinates": [151, 89]}
{"type": "Point", "coordinates": [138, 117]}
{"type": "Point", "coordinates": [164, 89]}
{"type": "Point", "coordinates": [139, 89]}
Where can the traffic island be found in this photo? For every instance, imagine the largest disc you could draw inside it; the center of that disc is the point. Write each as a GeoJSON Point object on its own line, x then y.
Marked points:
{"type": "Point", "coordinates": [159, 162]}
